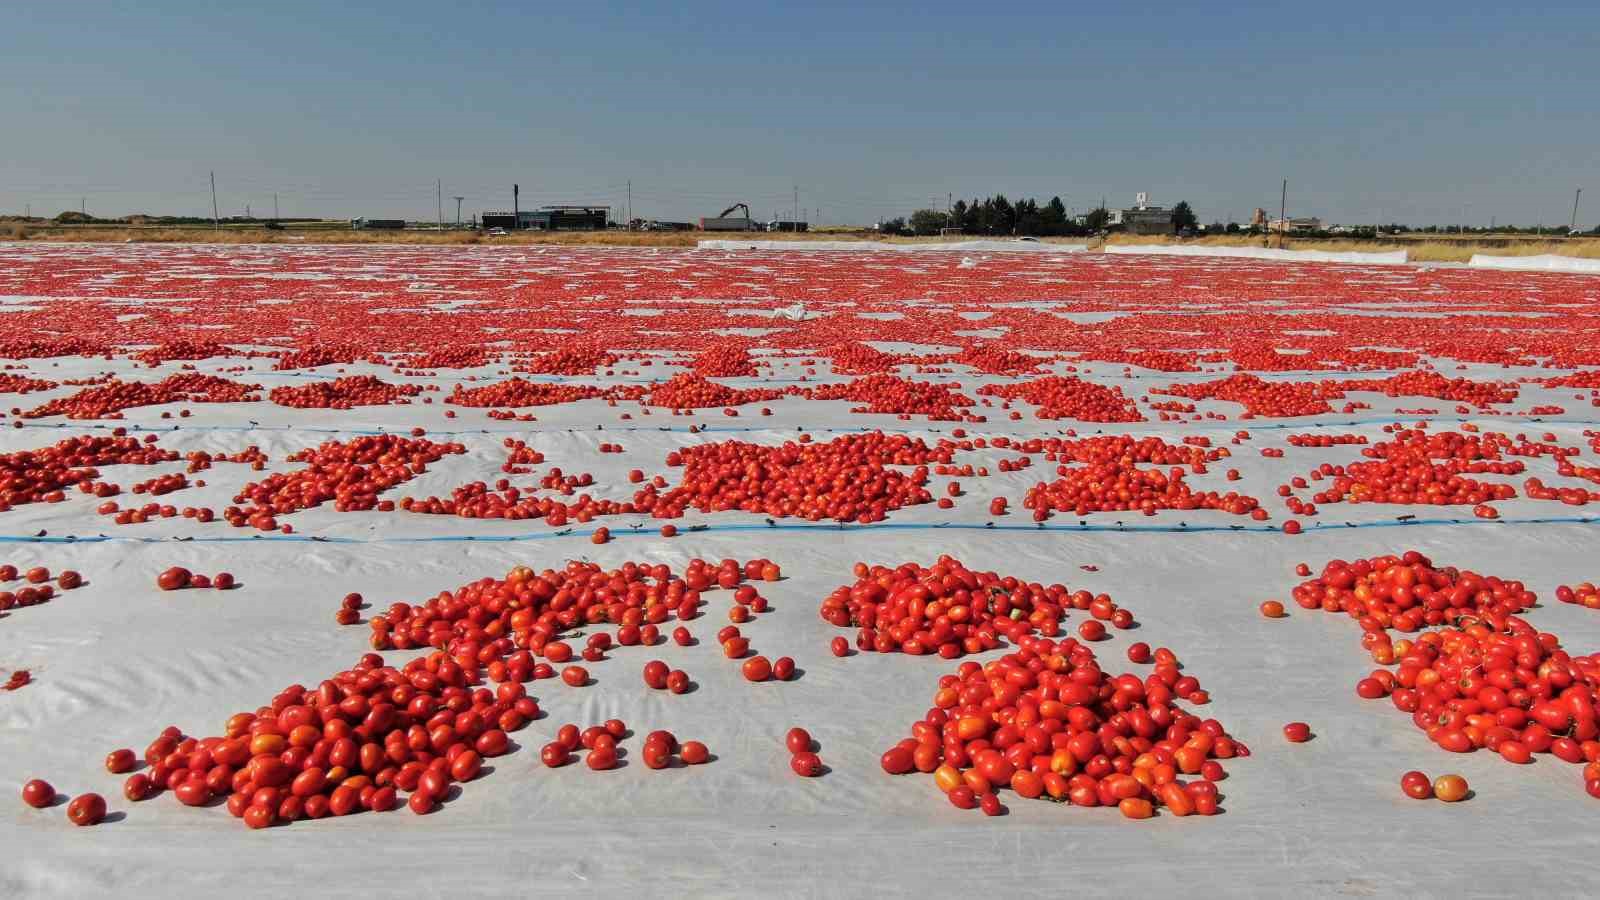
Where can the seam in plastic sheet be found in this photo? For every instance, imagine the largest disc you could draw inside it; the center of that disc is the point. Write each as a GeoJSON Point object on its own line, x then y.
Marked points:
{"type": "Point", "coordinates": [1042, 527]}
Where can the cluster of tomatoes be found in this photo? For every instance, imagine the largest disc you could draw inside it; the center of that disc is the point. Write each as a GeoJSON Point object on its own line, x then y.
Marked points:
{"type": "Point", "coordinates": [200, 460]}
{"type": "Point", "coordinates": [108, 400]}
{"type": "Point", "coordinates": [1584, 594]}
{"type": "Point", "coordinates": [1325, 439]}
{"type": "Point", "coordinates": [37, 588]}
{"type": "Point", "coordinates": [723, 361]}
{"type": "Point", "coordinates": [1047, 722]}
{"type": "Point", "coordinates": [343, 393]}
{"type": "Point", "coordinates": [1421, 383]}
{"type": "Point", "coordinates": [475, 500]}
{"type": "Point", "coordinates": [885, 393]}
{"type": "Point", "coordinates": [600, 743]}
{"type": "Point", "coordinates": [951, 610]}
{"type": "Point", "coordinates": [1069, 397]}
{"type": "Point", "coordinates": [22, 384]}
{"type": "Point", "coordinates": [39, 476]}
{"type": "Point", "coordinates": [568, 360]}
{"type": "Point", "coordinates": [1260, 397]}
{"type": "Point", "coordinates": [856, 358]}
{"type": "Point", "coordinates": [505, 623]}
{"type": "Point", "coordinates": [350, 473]}
{"type": "Point", "coordinates": [1118, 487]}
{"type": "Point", "coordinates": [516, 392]}
{"type": "Point", "coordinates": [693, 391]}
{"type": "Point", "coordinates": [994, 359]}
{"type": "Point", "coordinates": [1419, 466]}
{"type": "Point", "coordinates": [182, 348]}
{"type": "Point", "coordinates": [177, 578]}
{"type": "Point", "coordinates": [324, 353]}
{"type": "Point", "coordinates": [350, 744]}
{"type": "Point", "coordinates": [1481, 676]}
{"type": "Point", "coordinates": [847, 479]}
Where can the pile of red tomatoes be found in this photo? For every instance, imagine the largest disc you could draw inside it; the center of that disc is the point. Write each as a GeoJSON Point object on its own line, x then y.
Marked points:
{"type": "Point", "coordinates": [1048, 723]}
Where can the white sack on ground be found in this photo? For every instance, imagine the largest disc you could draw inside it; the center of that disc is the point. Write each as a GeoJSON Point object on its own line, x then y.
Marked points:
{"type": "Point", "coordinates": [1548, 262]}
{"type": "Point", "coordinates": [985, 246]}
{"type": "Point", "coordinates": [1394, 257]}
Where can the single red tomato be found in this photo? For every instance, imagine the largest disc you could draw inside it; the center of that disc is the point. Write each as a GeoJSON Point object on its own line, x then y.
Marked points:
{"type": "Point", "coordinates": [806, 765]}
{"type": "Point", "coordinates": [86, 809]}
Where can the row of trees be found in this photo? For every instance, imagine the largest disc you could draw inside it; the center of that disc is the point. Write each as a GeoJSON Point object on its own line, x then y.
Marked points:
{"type": "Point", "coordinates": [998, 216]}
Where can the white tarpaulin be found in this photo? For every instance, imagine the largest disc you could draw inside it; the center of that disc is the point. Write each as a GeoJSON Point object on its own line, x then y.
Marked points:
{"type": "Point", "coordinates": [982, 246]}
{"type": "Point", "coordinates": [1548, 262]}
{"type": "Point", "coordinates": [1395, 257]}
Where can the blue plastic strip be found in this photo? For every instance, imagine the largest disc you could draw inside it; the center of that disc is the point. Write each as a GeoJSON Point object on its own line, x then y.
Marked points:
{"type": "Point", "coordinates": [976, 429]}
{"type": "Point", "coordinates": [809, 526]}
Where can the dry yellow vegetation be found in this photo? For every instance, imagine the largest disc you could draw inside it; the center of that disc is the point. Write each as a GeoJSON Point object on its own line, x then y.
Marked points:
{"type": "Point", "coordinates": [1422, 248]}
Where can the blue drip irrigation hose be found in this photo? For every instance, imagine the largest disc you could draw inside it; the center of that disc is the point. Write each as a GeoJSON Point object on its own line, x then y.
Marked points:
{"type": "Point", "coordinates": [978, 429]}
{"type": "Point", "coordinates": [813, 527]}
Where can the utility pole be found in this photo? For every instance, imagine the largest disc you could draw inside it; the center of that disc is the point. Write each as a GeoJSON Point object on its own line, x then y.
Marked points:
{"type": "Point", "coordinates": [83, 205]}
{"type": "Point", "coordinates": [458, 211]}
{"type": "Point", "coordinates": [438, 197]}
{"type": "Point", "coordinates": [1283, 212]}
{"type": "Point", "coordinates": [795, 210]}
{"type": "Point", "coordinates": [216, 220]}
{"type": "Point", "coordinates": [630, 204]}
{"type": "Point", "coordinates": [1574, 226]}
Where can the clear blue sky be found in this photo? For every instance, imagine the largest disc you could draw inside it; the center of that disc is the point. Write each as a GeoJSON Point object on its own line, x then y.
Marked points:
{"type": "Point", "coordinates": [1421, 112]}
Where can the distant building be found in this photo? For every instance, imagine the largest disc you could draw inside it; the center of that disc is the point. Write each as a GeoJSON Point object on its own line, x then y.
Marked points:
{"type": "Point", "coordinates": [550, 218]}
{"type": "Point", "coordinates": [386, 224]}
{"type": "Point", "coordinates": [1292, 225]}
{"type": "Point", "coordinates": [1142, 218]}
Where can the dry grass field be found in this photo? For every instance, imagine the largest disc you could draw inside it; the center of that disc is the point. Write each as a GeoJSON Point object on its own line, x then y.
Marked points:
{"type": "Point", "coordinates": [1422, 248]}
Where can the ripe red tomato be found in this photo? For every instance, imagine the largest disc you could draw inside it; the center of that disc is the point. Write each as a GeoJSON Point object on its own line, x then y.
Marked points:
{"type": "Point", "coordinates": [678, 681]}
{"type": "Point", "coordinates": [86, 809]}
{"type": "Point", "coordinates": [1416, 785]}
{"type": "Point", "coordinates": [555, 754]}
{"type": "Point", "coordinates": [601, 758]}
{"type": "Point", "coordinates": [1139, 652]}
{"type": "Point", "coordinates": [421, 803]}
{"type": "Point", "coordinates": [962, 797]}
{"type": "Point", "coordinates": [120, 761]}
{"type": "Point", "coordinates": [682, 637]}
{"type": "Point", "coordinates": [575, 676]}
{"type": "Point", "coordinates": [173, 579]}
{"type": "Point", "coordinates": [1297, 732]}
{"type": "Point", "coordinates": [655, 674]}
{"type": "Point", "coordinates": [798, 740]}
{"type": "Point", "coordinates": [990, 804]}
{"type": "Point", "coordinates": [898, 760]}
{"type": "Point", "coordinates": [839, 647]}
{"type": "Point", "coordinates": [806, 765]}
{"type": "Point", "coordinates": [259, 816]}
{"type": "Point", "coordinates": [193, 792]}
{"type": "Point", "coordinates": [137, 787]}
{"type": "Point", "coordinates": [757, 668]}
{"type": "Point", "coordinates": [783, 668]}
{"type": "Point", "coordinates": [693, 753]}
{"type": "Point", "coordinates": [38, 793]}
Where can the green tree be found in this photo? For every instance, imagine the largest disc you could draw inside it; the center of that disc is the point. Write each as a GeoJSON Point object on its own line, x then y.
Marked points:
{"type": "Point", "coordinates": [1097, 218]}
{"type": "Point", "coordinates": [1183, 218]}
{"type": "Point", "coordinates": [1054, 217]}
{"type": "Point", "coordinates": [928, 221]}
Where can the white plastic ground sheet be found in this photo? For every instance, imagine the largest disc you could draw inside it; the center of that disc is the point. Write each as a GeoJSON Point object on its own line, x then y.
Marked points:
{"type": "Point", "coordinates": [116, 660]}
{"type": "Point", "coordinates": [879, 246]}
{"type": "Point", "coordinates": [1385, 258]}
{"type": "Point", "coordinates": [1548, 262]}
